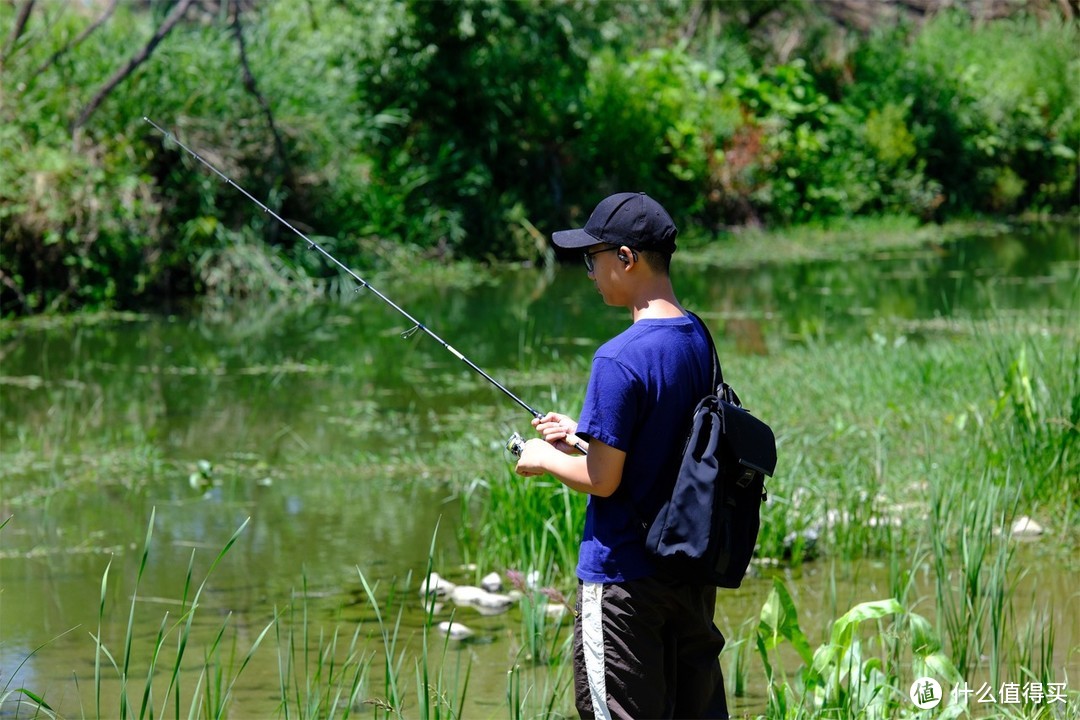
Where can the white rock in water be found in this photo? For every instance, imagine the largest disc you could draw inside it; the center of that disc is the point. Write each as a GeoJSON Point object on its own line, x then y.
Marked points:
{"type": "Point", "coordinates": [455, 630]}
{"type": "Point", "coordinates": [492, 582]}
{"type": "Point", "coordinates": [555, 610]}
{"type": "Point", "coordinates": [436, 585]}
{"type": "Point", "coordinates": [1026, 527]}
{"type": "Point", "coordinates": [482, 600]}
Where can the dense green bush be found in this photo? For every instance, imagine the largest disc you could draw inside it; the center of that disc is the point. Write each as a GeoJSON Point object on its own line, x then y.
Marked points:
{"type": "Point", "coordinates": [472, 129]}
{"type": "Point", "coordinates": [652, 121]}
{"type": "Point", "coordinates": [992, 109]}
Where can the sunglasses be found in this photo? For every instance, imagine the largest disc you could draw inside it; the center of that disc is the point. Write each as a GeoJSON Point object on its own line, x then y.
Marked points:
{"type": "Point", "coordinates": [588, 256]}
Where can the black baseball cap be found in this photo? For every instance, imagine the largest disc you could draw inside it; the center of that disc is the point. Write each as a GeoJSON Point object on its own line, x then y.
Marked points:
{"type": "Point", "coordinates": [631, 219]}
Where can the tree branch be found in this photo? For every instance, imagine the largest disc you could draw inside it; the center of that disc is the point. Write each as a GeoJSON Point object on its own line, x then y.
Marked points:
{"type": "Point", "coordinates": [690, 30]}
{"type": "Point", "coordinates": [77, 41]}
{"type": "Point", "coordinates": [138, 59]}
{"type": "Point", "coordinates": [14, 287]}
{"type": "Point", "coordinates": [280, 154]}
{"type": "Point", "coordinates": [17, 30]}
{"type": "Point", "coordinates": [252, 87]}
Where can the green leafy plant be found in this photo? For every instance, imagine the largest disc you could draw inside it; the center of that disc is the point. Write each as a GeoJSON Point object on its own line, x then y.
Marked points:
{"type": "Point", "coordinates": [843, 677]}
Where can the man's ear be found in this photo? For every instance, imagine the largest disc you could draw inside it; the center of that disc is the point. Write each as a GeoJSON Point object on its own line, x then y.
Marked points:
{"type": "Point", "coordinates": [625, 253]}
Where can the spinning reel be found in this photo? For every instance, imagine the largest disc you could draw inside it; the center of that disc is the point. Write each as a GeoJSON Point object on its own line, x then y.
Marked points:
{"type": "Point", "coordinates": [515, 444]}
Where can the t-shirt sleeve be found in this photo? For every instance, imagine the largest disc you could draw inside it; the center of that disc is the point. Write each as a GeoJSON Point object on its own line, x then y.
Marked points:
{"type": "Point", "coordinates": [610, 408]}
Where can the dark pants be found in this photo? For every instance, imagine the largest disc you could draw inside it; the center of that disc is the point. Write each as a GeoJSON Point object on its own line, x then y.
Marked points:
{"type": "Point", "coordinates": [647, 649]}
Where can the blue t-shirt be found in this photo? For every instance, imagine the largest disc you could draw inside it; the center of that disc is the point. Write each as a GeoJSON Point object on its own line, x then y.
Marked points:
{"type": "Point", "coordinates": [643, 388]}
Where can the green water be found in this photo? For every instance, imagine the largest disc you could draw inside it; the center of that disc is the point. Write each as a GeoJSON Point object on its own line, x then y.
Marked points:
{"type": "Point", "coordinates": [344, 442]}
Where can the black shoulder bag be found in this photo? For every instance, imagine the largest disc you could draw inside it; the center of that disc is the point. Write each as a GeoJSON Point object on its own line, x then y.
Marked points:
{"type": "Point", "coordinates": [706, 531]}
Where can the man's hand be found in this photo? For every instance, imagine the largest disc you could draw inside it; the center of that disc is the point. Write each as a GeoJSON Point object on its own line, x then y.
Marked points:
{"type": "Point", "coordinates": [597, 474]}
{"type": "Point", "coordinates": [558, 430]}
{"type": "Point", "coordinates": [531, 462]}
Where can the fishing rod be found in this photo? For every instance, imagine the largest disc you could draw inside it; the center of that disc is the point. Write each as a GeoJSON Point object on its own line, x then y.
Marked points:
{"type": "Point", "coordinates": [515, 443]}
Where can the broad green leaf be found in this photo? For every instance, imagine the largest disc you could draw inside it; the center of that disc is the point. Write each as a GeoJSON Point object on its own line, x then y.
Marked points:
{"type": "Point", "coordinates": [843, 629]}
{"type": "Point", "coordinates": [779, 621]}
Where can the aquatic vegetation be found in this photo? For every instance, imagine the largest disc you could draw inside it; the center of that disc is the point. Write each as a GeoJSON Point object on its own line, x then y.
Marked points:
{"type": "Point", "coordinates": [851, 675]}
{"type": "Point", "coordinates": [522, 524]}
{"type": "Point", "coordinates": [321, 677]}
{"type": "Point", "coordinates": [1034, 427]}
{"type": "Point", "coordinates": [214, 682]}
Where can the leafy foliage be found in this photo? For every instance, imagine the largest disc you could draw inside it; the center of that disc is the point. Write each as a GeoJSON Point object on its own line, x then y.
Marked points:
{"type": "Point", "coordinates": [472, 129]}
{"type": "Point", "coordinates": [846, 677]}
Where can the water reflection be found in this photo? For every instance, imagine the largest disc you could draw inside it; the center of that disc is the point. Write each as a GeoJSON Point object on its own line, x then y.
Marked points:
{"type": "Point", "coordinates": [832, 299]}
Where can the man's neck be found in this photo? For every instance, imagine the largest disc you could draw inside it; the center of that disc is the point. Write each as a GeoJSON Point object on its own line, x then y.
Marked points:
{"type": "Point", "coordinates": [658, 302]}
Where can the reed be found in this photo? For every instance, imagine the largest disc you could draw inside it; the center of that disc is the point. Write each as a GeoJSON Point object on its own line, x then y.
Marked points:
{"type": "Point", "coordinates": [541, 634]}
{"type": "Point", "coordinates": [323, 677]}
{"type": "Point", "coordinates": [1034, 426]}
{"type": "Point", "coordinates": [534, 693]}
{"type": "Point", "coordinates": [973, 597]}
{"type": "Point", "coordinates": [1033, 659]}
{"type": "Point", "coordinates": [516, 523]}
{"type": "Point", "coordinates": [738, 653]}
{"type": "Point", "coordinates": [216, 679]}
{"type": "Point", "coordinates": [9, 697]}
{"type": "Point", "coordinates": [440, 686]}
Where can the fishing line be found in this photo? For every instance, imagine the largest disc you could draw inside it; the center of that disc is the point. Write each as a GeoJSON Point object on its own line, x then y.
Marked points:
{"type": "Point", "coordinates": [364, 284]}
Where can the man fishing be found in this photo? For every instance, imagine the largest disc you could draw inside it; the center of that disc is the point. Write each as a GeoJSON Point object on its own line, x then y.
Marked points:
{"type": "Point", "coordinates": [645, 646]}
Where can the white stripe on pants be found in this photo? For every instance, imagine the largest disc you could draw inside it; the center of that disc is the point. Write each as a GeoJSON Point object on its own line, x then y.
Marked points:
{"type": "Point", "coordinates": [592, 640]}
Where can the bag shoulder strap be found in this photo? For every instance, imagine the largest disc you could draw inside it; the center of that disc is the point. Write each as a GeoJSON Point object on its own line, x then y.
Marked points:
{"type": "Point", "coordinates": [717, 371]}
{"type": "Point", "coordinates": [723, 390]}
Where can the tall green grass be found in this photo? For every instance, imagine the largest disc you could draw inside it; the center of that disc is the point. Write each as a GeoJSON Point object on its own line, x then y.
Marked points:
{"type": "Point", "coordinates": [440, 685]}
{"type": "Point", "coordinates": [861, 425]}
{"type": "Point", "coordinates": [14, 696]}
{"type": "Point", "coordinates": [863, 668]}
{"type": "Point", "coordinates": [324, 672]}
{"type": "Point", "coordinates": [972, 554]}
{"type": "Point", "coordinates": [324, 676]}
{"type": "Point", "coordinates": [1034, 426]}
{"type": "Point", "coordinates": [522, 524]}
{"type": "Point", "coordinates": [538, 694]}
{"type": "Point", "coordinates": [215, 681]}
